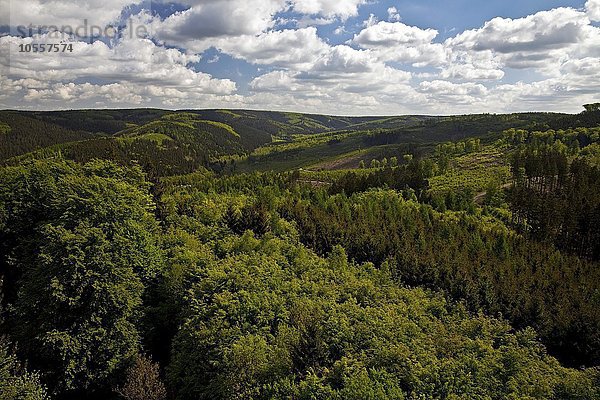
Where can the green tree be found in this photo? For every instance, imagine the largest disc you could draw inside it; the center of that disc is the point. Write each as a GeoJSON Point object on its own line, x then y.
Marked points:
{"type": "Point", "coordinates": [82, 240]}
{"type": "Point", "coordinates": [15, 382]}
{"type": "Point", "coordinates": [592, 107]}
{"type": "Point", "coordinates": [78, 307]}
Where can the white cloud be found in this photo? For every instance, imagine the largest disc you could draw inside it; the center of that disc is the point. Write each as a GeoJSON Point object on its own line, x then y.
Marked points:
{"type": "Point", "coordinates": [219, 18]}
{"type": "Point", "coordinates": [391, 34]}
{"type": "Point", "coordinates": [387, 91]}
{"type": "Point", "coordinates": [121, 94]}
{"type": "Point", "coordinates": [328, 8]}
{"type": "Point", "coordinates": [61, 12]}
{"type": "Point", "coordinates": [9, 88]}
{"type": "Point", "coordinates": [205, 21]}
{"type": "Point", "coordinates": [468, 72]}
{"type": "Point", "coordinates": [588, 67]}
{"type": "Point", "coordinates": [345, 59]}
{"type": "Point", "coordinates": [133, 60]}
{"type": "Point", "coordinates": [372, 20]}
{"type": "Point", "coordinates": [306, 21]}
{"type": "Point", "coordinates": [325, 8]}
{"type": "Point", "coordinates": [342, 73]}
{"type": "Point", "coordinates": [542, 31]}
{"type": "Point", "coordinates": [474, 66]}
{"type": "Point", "coordinates": [395, 41]}
{"type": "Point", "coordinates": [340, 30]}
{"type": "Point", "coordinates": [556, 50]}
{"type": "Point", "coordinates": [70, 92]}
{"type": "Point", "coordinates": [133, 72]}
{"type": "Point", "coordinates": [593, 9]}
{"type": "Point", "coordinates": [296, 48]}
{"type": "Point", "coordinates": [445, 88]}
{"type": "Point", "coordinates": [393, 15]}
{"type": "Point", "coordinates": [530, 42]}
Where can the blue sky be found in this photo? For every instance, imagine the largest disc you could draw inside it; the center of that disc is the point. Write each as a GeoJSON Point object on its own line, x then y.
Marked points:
{"type": "Point", "coordinates": [350, 57]}
{"type": "Point", "coordinates": [450, 16]}
{"type": "Point", "coordinates": [447, 17]}
{"type": "Point", "coordinates": [459, 15]}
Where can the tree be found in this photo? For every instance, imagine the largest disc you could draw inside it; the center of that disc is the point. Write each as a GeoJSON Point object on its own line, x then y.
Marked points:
{"type": "Point", "coordinates": [443, 163]}
{"type": "Point", "coordinates": [592, 107]}
{"type": "Point", "coordinates": [78, 306]}
{"type": "Point", "coordinates": [143, 381]}
{"type": "Point", "coordinates": [15, 382]}
{"type": "Point", "coordinates": [271, 320]}
{"type": "Point", "coordinates": [85, 248]}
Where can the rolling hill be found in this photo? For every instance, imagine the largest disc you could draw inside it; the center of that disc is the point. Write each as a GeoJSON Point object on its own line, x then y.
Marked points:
{"type": "Point", "coordinates": [175, 142]}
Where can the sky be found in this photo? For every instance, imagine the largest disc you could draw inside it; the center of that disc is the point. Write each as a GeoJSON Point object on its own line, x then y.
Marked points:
{"type": "Point", "coordinates": [339, 57]}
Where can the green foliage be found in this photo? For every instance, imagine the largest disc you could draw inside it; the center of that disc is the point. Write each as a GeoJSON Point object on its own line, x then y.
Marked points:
{"type": "Point", "coordinates": [590, 118]}
{"type": "Point", "coordinates": [412, 175]}
{"type": "Point", "coordinates": [267, 140]}
{"type": "Point", "coordinates": [275, 321]}
{"type": "Point", "coordinates": [22, 133]}
{"type": "Point", "coordinates": [470, 256]}
{"type": "Point", "coordinates": [591, 154]}
{"type": "Point", "coordinates": [574, 139]}
{"type": "Point", "coordinates": [4, 128]}
{"type": "Point", "coordinates": [80, 246]}
{"type": "Point", "coordinates": [592, 107]}
{"type": "Point", "coordinates": [15, 382]}
{"type": "Point", "coordinates": [475, 172]}
{"type": "Point", "coordinates": [162, 143]}
{"type": "Point", "coordinates": [77, 307]}
{"type": "Point", "coordinates": [557, 199]}
{"type": "Point", "coordinates": [252, 217]}
{"type": "Point", "coordinates": [308, 284]}
{"type": "Point", "coordinates": [458, 148]}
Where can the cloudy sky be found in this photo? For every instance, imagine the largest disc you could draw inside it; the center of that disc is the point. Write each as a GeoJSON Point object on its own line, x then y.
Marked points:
{"type": "Point", "coordinates": [344, 57]}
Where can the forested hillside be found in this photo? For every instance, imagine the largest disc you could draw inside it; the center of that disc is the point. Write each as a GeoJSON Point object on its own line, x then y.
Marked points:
{"type": "Point", "coordinates": [264, 140]}
{"type": "Point", "coordinates": [144, 255]}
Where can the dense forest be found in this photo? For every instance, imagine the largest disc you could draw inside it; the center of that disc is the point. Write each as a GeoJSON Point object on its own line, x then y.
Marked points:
{"type": "Point", "coordinates": [226, 255]}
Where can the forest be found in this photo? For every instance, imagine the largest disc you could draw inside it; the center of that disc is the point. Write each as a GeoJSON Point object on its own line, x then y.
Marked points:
{"type": "Point", "coordinates": [230, 254]}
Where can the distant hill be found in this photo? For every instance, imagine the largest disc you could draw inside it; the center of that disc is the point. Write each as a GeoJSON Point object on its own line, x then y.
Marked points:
{"type": "Point", "coordinates": [175, 142]}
